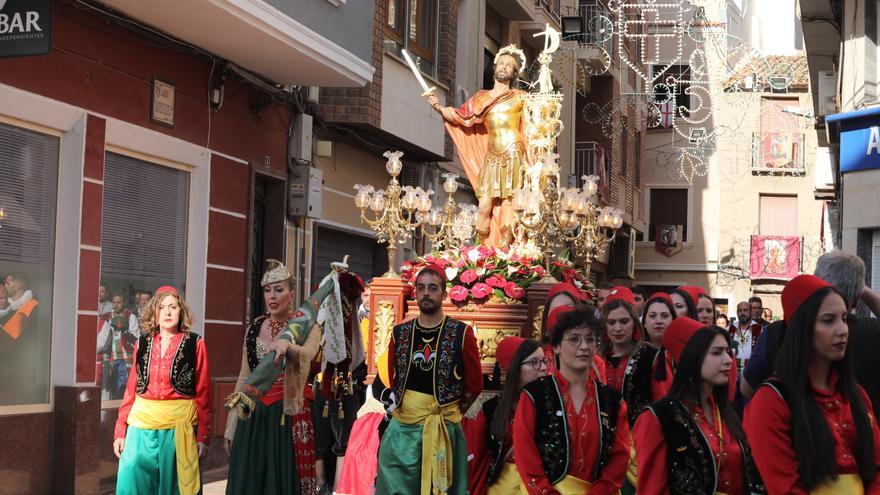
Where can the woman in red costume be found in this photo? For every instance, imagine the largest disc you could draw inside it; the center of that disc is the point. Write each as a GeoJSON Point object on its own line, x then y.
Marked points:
{"type": "Point", "coordinates": [813, 428]}
{"type": "Point", "coordinates": [570, 434]}
{"type": "Point", "coordinates": [167, 393]}
{"type": "Point", "coordinates": [691, 441]}
{"type": "Point", "coordinates": [564, 294]}
{"type": "Point", "coordinates": [491, 468]}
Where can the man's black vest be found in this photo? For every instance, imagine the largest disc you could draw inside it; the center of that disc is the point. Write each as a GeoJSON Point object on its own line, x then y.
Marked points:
{"type": "Point", "coordinates": [689, 458]}
{"type": "Point", "coordinates": [183, 367]}
{"type": "Point", "coordinates": [448, 377]}
{"type": "Point", "coordinates": [551, 426]}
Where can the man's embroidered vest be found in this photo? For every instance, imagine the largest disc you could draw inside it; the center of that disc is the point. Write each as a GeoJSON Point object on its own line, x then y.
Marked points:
{"type": "Point", "coordinates": [551, 426]}
{"type": "Point", "coordinates": [448, 378]}
{"type": "Point", "coordinates": [183, 367]}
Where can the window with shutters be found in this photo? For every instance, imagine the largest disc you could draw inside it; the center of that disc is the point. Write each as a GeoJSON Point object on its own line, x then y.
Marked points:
{"type": "Point", "coordinates": [778, 215]}
{"type": "Point", "coordinates": [143, 247]}
{"type": "Point", "coordinates": [413, 25]}
{"type": "Point", "coordinates": [29, 171]}
{"type": "Point", "coordinates": [668, 206]}
{"type": "Point", "coordinates": [367, 258]}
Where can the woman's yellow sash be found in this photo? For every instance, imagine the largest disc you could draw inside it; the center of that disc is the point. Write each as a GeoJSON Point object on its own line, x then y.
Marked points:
{"type": "Point", "coordinates": [179, 415]}
{"type": "Point", "coordinates": [571, 485]}
{"type": "Point", "coordinates": [845, 484]}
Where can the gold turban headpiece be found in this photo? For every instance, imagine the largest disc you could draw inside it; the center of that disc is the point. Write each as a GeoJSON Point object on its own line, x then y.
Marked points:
{"type": "Point", "coordinates": [275, 272]}
{"type": "Point", "coordinates": [513, 51]}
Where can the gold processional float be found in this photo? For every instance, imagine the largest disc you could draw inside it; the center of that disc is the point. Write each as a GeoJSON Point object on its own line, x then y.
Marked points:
{"type": "Point", "coordinates": [499, 289]}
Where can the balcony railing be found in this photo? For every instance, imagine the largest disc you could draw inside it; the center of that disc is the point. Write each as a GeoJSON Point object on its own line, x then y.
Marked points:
{"type": "Point", "coordinates": [596, 30]}
{"type": "Point", "coordinates": [778, 152]}
{"type": "Point", "coordinates": [586, 161]}
{"type": "Point", "coordinates": [553, 7]}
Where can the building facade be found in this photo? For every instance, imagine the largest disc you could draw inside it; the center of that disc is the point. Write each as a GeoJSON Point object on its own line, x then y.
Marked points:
{"type": "Point", "coordinates": [144, 149]}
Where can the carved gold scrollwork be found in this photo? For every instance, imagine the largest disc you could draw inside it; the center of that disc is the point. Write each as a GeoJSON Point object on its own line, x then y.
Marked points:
{"type": "Point", "coordinates": [488, 338]}
{"type": "Point", "coordinates": [383, 327]}
{"type": "Point", "coordinates": [536, 323]}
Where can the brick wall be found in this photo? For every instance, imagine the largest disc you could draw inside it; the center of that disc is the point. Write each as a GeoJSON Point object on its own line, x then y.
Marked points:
{"type": "Point", "coordinates": [359, 105]}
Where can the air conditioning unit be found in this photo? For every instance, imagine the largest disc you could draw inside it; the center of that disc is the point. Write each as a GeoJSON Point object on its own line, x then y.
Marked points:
{"type": "Point", "coordinates": [621, 260]}
{"type": "Point", "coordinates": [827, 103]}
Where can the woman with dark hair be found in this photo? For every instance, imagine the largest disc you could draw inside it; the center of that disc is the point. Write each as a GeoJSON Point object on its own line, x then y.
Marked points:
{"type": "Point", "coordinates": [815, 424]}
{"type": "Point", "coordinates": [491, 467]}
{"type": "Point", "coordinates": [706, 309]}
{"type": "Point", "coordinates": [684, 300]}
{"type": "Point", "coordinates": [571, 435]}
{"type": "Point", "coordinates": [638, 371]}
{"type": "Point", "coordinates": [564, 294]}
{"type": "Point", "coordinates": [691, 441]}
{"type": "Point", "coordinates": [659, 313]}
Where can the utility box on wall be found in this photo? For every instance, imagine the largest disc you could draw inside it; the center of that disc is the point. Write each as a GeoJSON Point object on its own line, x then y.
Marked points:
{"type": "Point", "coordinates": [304, 187]}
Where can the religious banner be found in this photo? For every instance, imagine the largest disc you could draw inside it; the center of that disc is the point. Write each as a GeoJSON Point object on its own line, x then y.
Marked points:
{"type": "Point", "coordinates": [775, 257]}
{"type": "Point", "coordinates": [668, 239]}
{"type": "Point", "coordinates": [778, 150]}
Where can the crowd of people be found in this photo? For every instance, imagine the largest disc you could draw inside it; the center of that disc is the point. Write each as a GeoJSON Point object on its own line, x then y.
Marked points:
{"type": "Point", "coordinates": [633, 392]}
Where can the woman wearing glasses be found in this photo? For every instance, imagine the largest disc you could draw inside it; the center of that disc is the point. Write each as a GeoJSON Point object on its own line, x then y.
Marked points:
{"type": "Point", "coordinates": [491, 468]}
{"type": "Point", "coordinates": [570, 435]}
{"type": "Point", "coordinates": [691, 441]}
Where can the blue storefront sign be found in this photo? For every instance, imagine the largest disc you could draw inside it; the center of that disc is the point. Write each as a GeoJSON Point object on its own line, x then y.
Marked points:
{"type": "Point", "coordinates": [859, 133]}
{"type": "Point", "coordinates": [25, 27]}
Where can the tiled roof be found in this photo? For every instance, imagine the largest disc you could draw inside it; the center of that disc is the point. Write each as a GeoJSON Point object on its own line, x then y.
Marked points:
{"type": "Point", "coordinates": [792, 67]}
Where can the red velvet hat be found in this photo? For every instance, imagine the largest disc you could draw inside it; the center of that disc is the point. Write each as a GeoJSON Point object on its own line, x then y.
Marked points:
{"type": "Point", "coordinates": [677, 335]}
{"type": "Point", "coordinates": [505, 351]}
{"type": "Point", "coordinates": [166, 289]}
{"type": "Point", "coordinates": [661, 295]}
{"type": "Point", "coordinates": [555, 315]}
{"type": "Point", "coordinates": [797, 291]}
{"type": "Point", "coordinates": [565, 288]}
{"type": "Point", "coordinates": [622, 293]}
{"type": "Point", "coordinates": [694, 292]}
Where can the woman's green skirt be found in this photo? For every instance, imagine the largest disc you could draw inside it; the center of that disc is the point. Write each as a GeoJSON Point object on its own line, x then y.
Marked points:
{"type": "Point", "coordinates": [262, 458]}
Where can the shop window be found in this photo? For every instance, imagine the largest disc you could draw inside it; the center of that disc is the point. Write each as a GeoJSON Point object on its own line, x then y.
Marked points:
{"type": "Point", "coordinates": [29, 167]}
{"type": "Point", "coordinates": [143, 247]}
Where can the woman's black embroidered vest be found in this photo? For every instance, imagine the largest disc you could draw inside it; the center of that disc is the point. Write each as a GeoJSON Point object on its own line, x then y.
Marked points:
{"type": "Point", "coordinates": [689, 458]}
{"type": "Point", "coordinates": [448, 378]}
{"type": "Point", "coordinates": [551, 426]}
{"type": "Point", "coordinates": [250, 341]}
{"type": "Point", "coordinates": [495, 445]}
{"type": "Point", "coordinates": [183, 367]}
{"type": "Point", "coordinates": [636, 389]}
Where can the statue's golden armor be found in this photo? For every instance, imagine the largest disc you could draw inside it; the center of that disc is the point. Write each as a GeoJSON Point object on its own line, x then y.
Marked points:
{"type": "Point", "coordinates": [502, 171]}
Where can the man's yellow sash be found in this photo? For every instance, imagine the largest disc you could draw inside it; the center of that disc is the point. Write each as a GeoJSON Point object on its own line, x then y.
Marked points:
{"type": "Point", "coordinates": [423, 409]}
{"type": "Point", "coordinates": [180, 415]}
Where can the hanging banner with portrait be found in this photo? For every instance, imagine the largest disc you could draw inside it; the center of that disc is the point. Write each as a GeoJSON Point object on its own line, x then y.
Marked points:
{"type": "Point", "coordinates": [668, 239]}
{"type": "Point", "coordinates": [775, 257]}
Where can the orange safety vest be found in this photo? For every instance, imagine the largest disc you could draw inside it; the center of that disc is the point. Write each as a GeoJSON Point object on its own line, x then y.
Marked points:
{"type": "Point", "coordinates": [15, 323]}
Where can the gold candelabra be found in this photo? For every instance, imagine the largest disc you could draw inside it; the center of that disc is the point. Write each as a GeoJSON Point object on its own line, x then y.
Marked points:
{"type": "Point", "coordinates": [454, 224]}
{"type": "Point", "coordinates": [394, 217]}
{"type": "Point", "coordinates": [553, 215]}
